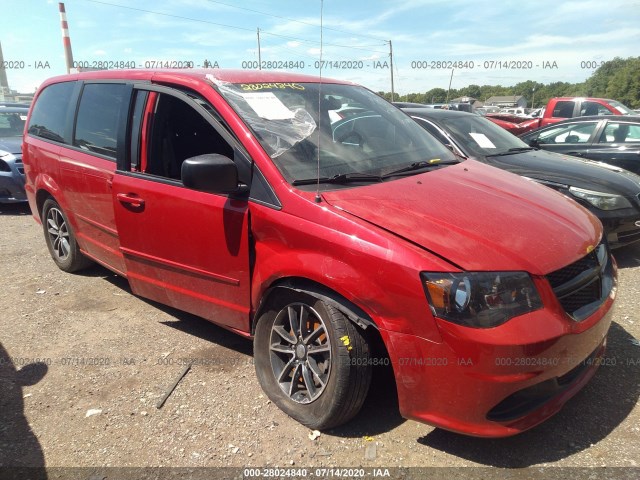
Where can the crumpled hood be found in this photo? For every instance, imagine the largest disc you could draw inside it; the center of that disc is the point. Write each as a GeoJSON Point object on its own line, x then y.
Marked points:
{"type": "Point", "coordinates": [478, 217]}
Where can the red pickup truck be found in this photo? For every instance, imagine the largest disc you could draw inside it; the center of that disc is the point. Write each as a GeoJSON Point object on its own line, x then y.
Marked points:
{"type": "Point", "coordinates": [560, 108]}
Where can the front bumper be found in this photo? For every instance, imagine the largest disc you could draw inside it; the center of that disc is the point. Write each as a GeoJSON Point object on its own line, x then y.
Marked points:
{"type": "Point", "coordinates": [12, 180]}
{"type": "Point", "coordinates": [487, 388]}
{"type": "Point", "coordinates": [622, 231]}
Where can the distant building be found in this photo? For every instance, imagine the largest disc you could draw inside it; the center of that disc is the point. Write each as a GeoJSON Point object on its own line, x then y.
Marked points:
{"type": "Point", "coordinates": [4, 83]}
{"type": "Point", "coordinates": [474, 102]}
{"type": "Point", "coordinates": [508, 101]}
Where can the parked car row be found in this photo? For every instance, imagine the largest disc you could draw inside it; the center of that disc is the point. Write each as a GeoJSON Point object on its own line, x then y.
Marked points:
{"type": "Point", "coordinates": [614, 140]}
{"type": "Point", "coordinates": [233, 195]}
{"type": "Point", "coordinates": [556, 110]}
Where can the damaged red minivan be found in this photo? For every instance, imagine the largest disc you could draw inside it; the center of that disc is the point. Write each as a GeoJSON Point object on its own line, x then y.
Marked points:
{"type": "Point", "coordinates": [242, 197]}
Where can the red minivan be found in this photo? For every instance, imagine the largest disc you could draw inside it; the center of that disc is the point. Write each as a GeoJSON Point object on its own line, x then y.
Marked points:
{"type": "Point", "coordinates": [234, 196]}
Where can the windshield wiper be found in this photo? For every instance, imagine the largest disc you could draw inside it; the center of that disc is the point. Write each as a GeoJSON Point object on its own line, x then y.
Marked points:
{"type": "Point", "coordinates": [434, 162]}
{"type": "Point", "coordinates": [341, 178]}
{"type": "Point", "coordinates": [511, 151]}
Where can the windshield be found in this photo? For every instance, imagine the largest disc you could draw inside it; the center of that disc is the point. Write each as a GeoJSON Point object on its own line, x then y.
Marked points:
{"type": "Point", "coordinates": [12, 124]}
{"type": "Point", "coordinates": [478, 136]}
{"type": "Point", "coordinates": [623, 109]}
{"type": "Point", "coordinates": [348, 128]}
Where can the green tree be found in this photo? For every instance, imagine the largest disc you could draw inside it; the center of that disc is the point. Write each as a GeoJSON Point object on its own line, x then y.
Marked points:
{"type": "Point", "coordinates": [435, 95]}
{"type": "Point", "coordinates": [624, 84]}
{"type": "Point", "coordinates": [618, 79]}
{"type": "Point", "coordinates": [471, 91]}
{"type": "Point", "coordinates": [599, 80]}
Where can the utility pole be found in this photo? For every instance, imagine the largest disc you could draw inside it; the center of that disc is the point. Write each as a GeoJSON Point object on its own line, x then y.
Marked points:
{"type": "Point", "coordinates": [391, 66]}
{"type": "Point", "coordinates": [450, 80]}
{"type": "Point", "coordinates": [259, 53]}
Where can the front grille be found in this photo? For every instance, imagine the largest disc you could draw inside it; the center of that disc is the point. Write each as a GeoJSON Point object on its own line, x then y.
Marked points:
{"type": "Point", "coordinates": [629, 236]}
{"type": "Point", "coordinates": [582, 286]}
{"type": "Point", "coordinates": [20, 166]}
{"type": "Point", "coordinates": [565, 274]}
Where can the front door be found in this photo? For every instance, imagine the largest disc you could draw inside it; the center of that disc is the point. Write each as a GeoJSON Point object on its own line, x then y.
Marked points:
{"type": "Point", "coordinates": [181, 247]}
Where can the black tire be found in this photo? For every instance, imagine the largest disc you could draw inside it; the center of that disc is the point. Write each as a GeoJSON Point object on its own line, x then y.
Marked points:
{"type": "Point", "coordinates": [339, 353]}
{"type": "Point", "coordinates": [60, 239]}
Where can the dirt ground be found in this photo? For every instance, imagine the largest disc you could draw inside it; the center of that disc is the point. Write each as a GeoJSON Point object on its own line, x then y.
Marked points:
{"type": "Point", "coordinates": [92, 361]}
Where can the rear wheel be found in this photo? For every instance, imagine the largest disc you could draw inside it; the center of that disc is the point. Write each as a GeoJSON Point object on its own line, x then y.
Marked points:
{"type": "Point", "coordinates": [60, 238]}
{"type": "Point", "coordinates": [311, 361]}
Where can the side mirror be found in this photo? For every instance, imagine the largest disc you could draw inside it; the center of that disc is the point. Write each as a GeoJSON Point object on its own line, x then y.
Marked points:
{"type": "Point", "coordinates": [210, 172]}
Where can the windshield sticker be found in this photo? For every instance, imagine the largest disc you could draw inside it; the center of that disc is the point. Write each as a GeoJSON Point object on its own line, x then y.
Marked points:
{"type": "Point", "coordinates": [286, 125]}
{"type": "Point", "coordinates": [268, 106]}
{"type": "Point", "coordinates": [482, 140]}
{"type": "Point", "coordinates": [23, 117]}
{"type": "Point", "coordinates": [264, 86]}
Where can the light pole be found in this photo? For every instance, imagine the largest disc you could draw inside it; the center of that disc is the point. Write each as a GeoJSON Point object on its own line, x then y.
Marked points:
{"type": "Point", "coordinates": [533, 105]}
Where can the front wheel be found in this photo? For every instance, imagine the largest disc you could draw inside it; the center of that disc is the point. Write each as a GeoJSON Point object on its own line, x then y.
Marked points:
{"type": "Point", "coordinates": [311, 361]}
{"type": "Point", "coordinates": [60, 239]}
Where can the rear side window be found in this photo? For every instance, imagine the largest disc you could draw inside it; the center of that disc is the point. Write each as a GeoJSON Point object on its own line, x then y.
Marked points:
{"type": "Point", "coordinates": [616, 132]}
{"type": "Point", "coordinates": [563, 109]}
{"type": "Point", "coordinates": [593, 108]}
{"type": "Point", "coordinates": [568, 133]}
{"type": "Point", "coordinates": [98, 117]}
{"type": "Point", "coordinates": [49, 116]}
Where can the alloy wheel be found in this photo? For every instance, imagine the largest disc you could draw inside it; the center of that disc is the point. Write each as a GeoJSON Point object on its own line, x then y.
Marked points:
{"type": "Point", "coordinates": [300, 352]}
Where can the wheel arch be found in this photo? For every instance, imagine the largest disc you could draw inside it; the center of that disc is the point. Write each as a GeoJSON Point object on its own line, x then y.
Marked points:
{"type": "Point", "coordinates": [41, 196]}
{"type": "Point", "coordinates": [46, 187]}
{"type": "Point", "coordinates": [353, 312]}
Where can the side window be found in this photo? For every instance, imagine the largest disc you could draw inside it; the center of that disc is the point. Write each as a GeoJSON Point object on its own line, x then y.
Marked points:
{"type": "Point", "coordinates": [571, 133]}
{"type": "Point", "coordinates": [593, 108]}
{"type": "Point", "coordinates": [621, 133]}
{"type": "Point", "coordinates": [49, 116]}
{"type": "Point", "coordinates": [98, 117]}
{"type": "Point", "coordinates": [178, 132]}
{"type": "Point", "coordinates": [563, 109]}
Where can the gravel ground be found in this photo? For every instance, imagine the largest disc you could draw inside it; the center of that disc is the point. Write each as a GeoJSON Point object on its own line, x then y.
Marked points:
{"type": "Point", "coordinates": [107, 357]}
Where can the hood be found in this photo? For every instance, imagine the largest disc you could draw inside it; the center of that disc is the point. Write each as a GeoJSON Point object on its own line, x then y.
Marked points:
{"type": "Point", "coordinates": [11, 144]}
{"type": "Point", "coordinates": [572, 171]}
{"type": "Point", "coordinates": [478, 218]}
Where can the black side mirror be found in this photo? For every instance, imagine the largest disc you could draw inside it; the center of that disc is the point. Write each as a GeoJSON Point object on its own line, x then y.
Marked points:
{"type": "Point", "coordinates": [210, 172]}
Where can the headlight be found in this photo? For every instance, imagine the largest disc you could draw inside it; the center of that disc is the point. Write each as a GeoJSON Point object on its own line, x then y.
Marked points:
{"type": "Point", "coordinates": [480, 299]}
{"type": "Point", "coordinates": [603, 201]}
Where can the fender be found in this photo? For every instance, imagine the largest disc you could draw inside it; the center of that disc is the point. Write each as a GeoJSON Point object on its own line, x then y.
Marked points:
{"type": "Point", "coordinates": [311, 273]}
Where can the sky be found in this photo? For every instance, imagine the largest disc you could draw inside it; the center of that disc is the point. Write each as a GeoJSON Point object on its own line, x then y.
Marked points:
{"type": "Point", "coordinates": [434, 42]}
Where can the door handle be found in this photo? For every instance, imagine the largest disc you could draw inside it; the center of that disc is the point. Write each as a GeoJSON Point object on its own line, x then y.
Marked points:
{"type": "Point", "coordinates": [575, 154]}
{"type": "Point", "coordinates": [131, 200]}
